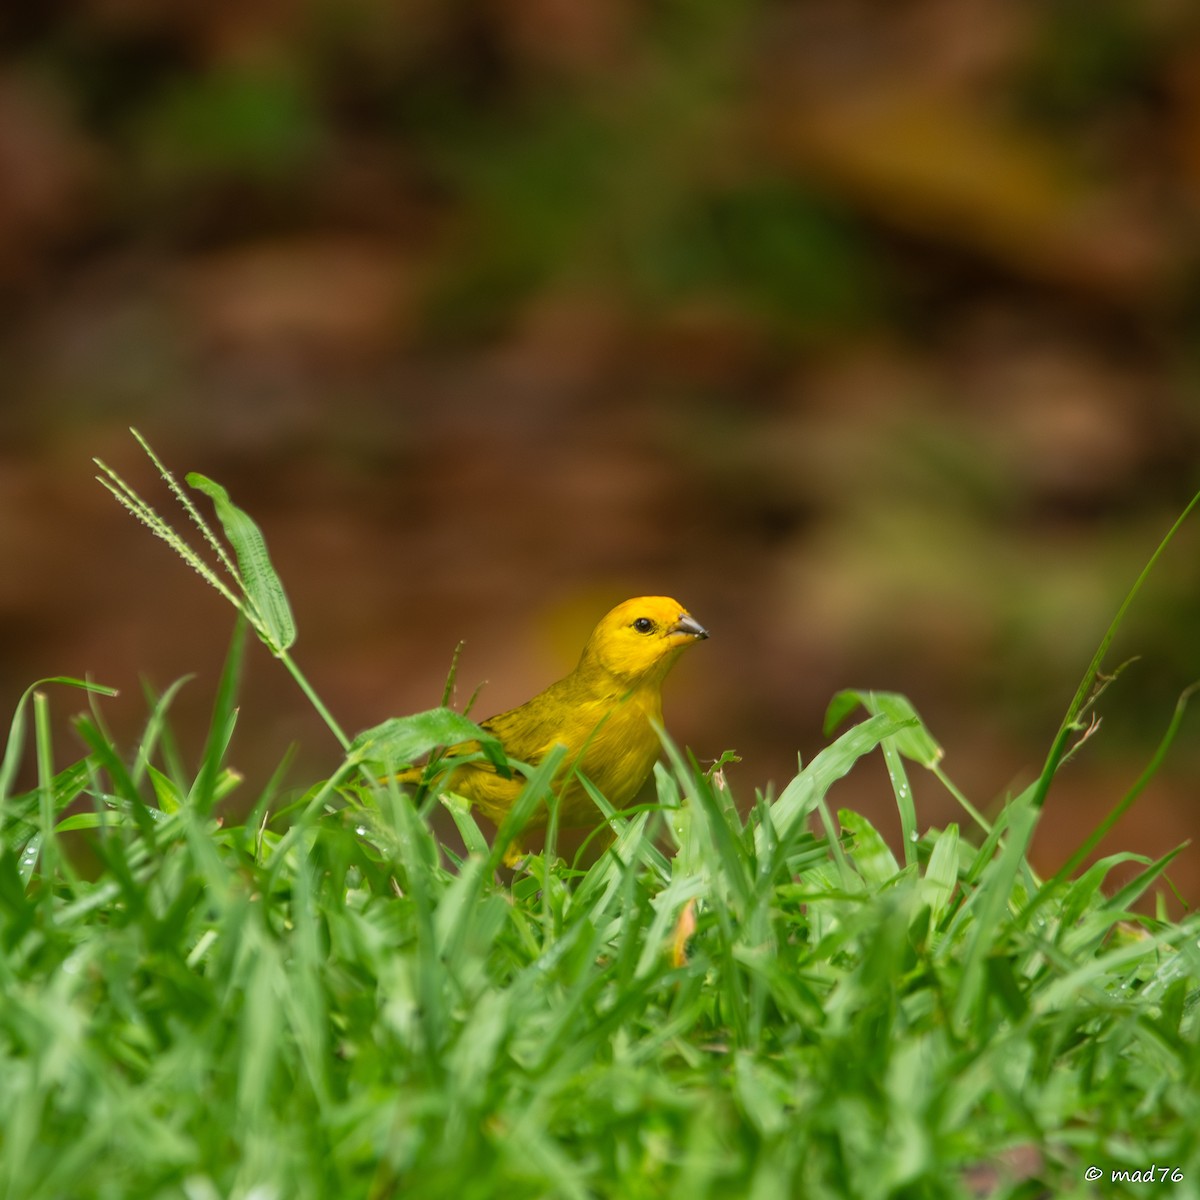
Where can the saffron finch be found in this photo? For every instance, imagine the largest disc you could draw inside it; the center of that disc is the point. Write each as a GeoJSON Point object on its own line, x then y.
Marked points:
{"type": "Point", "coordinates": [603, 713]}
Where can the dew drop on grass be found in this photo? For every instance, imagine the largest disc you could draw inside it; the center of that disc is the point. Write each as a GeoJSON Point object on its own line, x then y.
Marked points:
{"type": "Point", "coordinates": [914, 836]}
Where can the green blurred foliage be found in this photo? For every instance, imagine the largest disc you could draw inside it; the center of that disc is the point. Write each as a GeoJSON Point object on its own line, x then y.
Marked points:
{"type": "Point", "coordinates": [1089, 57]}
{"type": "Point", "coordinates": [253, 125]}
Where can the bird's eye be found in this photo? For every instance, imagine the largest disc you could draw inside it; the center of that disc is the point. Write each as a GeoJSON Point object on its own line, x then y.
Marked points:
{"type": "Point", "coordinates": [643, 625]}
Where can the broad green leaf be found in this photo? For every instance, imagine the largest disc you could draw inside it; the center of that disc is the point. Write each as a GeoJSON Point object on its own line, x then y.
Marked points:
{"type": "Point", "coordinates": [274, 623]}
{"type": "Point", "coordinates": [913, 741]}
{"type": "Point", "coordinates": [941, 873]}
{"type": "Point", "coordinates": [875, 862]}
{"type": "Point", "coordinates": [402, 741]}
{"type": "Point", "coordinates": [801, 796]}
{"type": "Point", "coordinates": [169, 797]}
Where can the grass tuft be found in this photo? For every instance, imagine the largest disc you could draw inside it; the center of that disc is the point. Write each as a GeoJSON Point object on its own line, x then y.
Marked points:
{"type": "Point", "coordinates": [331, 1004]}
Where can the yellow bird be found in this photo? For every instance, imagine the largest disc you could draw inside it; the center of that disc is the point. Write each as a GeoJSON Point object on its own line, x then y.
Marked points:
{"type": "Point", "coordinates": [603, 713]}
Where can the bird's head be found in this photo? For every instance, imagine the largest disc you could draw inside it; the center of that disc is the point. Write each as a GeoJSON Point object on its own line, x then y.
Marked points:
{"type": "Point", "coordinates": [639, 640]}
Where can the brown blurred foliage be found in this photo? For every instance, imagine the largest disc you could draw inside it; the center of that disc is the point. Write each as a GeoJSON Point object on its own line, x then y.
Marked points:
{"type": "Point", "coordinates": [868, 329]}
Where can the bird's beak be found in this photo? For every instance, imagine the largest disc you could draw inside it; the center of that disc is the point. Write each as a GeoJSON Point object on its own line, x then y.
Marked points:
{"type": "Point", "coordinates": [688, 625]}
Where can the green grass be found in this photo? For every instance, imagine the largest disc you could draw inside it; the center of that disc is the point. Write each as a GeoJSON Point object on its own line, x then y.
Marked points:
{"type": "Point", "coordinates": [320, 1001]}
{"type": "Point", "coordinates": [756, 999]}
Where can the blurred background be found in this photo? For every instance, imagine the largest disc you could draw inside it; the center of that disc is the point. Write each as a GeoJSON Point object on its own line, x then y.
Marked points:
{"type": "Point", "coordinates": [869, 330]}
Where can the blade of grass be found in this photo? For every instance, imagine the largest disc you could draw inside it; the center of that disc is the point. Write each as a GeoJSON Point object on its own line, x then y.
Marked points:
{"type": "Point", "coordinates": [16, 730]}
{"type": "Point", "coordinates": [800, 796]}
{"type": "Point", "coordinates": [989, 903]}
{"type": "Point", "coordinates": [1083, 692]}
{"type": "Point", "coordinates": [1127, 801]}
{"type": "Point", "coordinates": [203, 794]}
{"type": "Point", "coordinates": [941, 873]}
